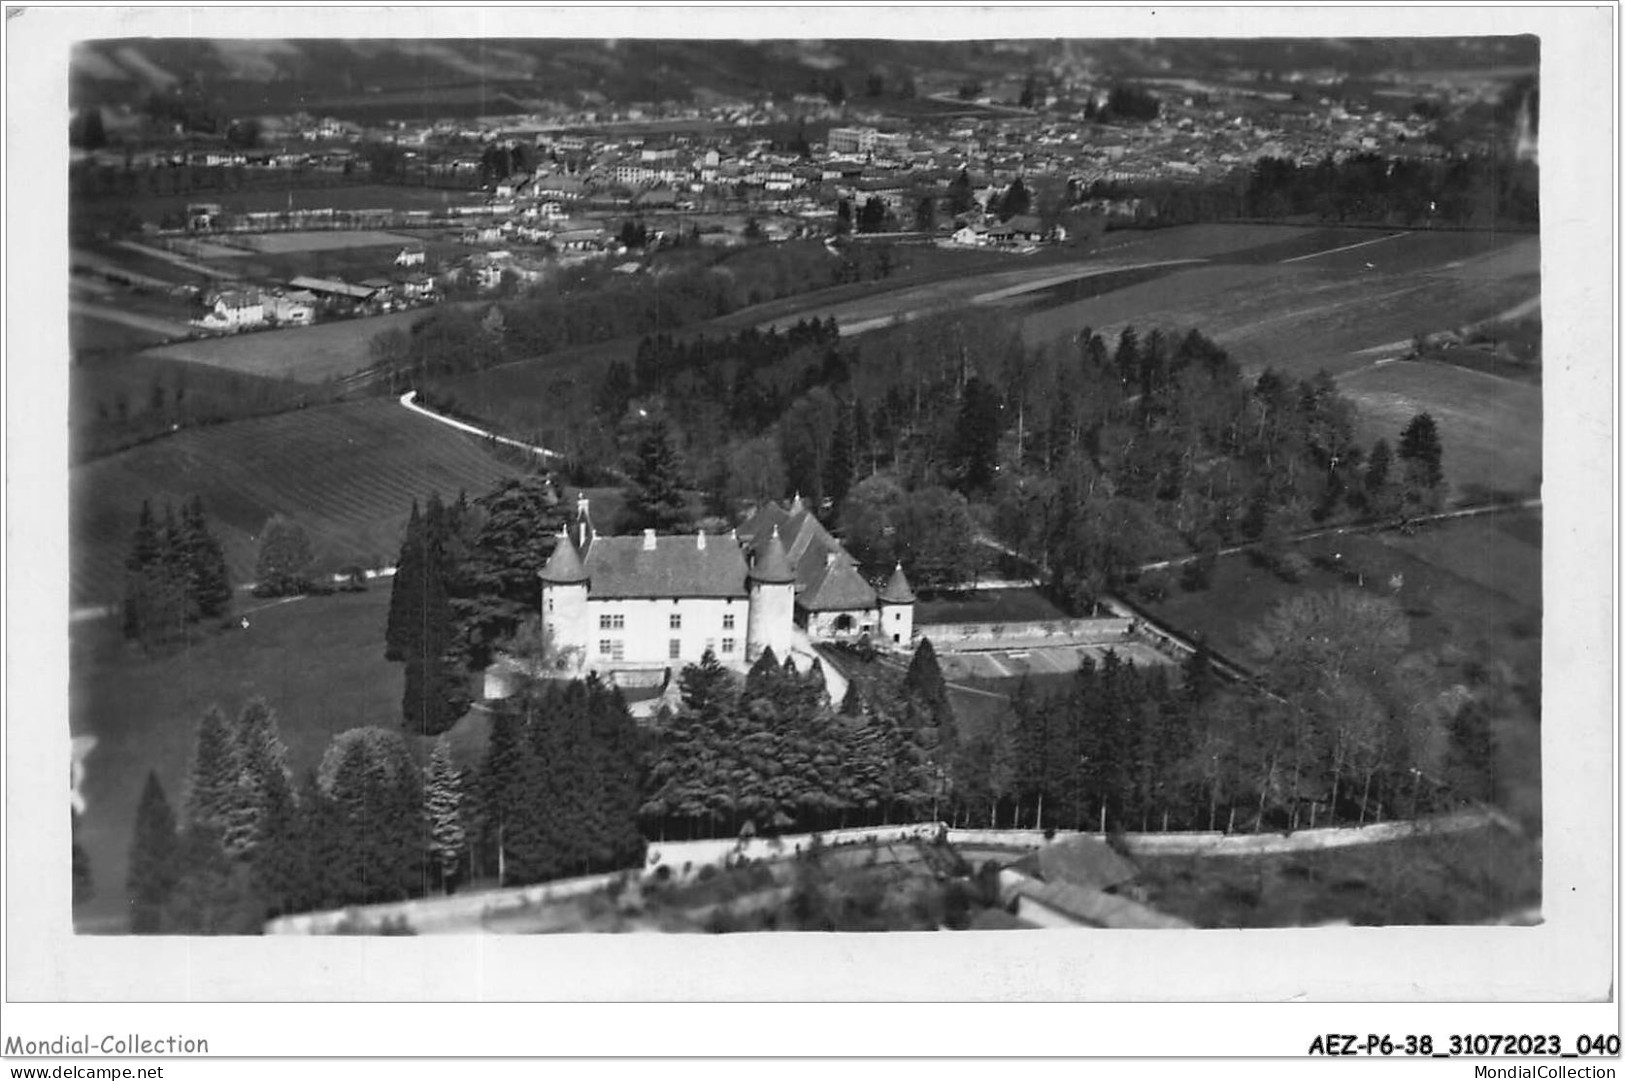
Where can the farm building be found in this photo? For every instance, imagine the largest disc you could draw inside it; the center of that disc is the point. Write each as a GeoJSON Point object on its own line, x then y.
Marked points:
{"type": "Point", "coordinates": [295, 308]}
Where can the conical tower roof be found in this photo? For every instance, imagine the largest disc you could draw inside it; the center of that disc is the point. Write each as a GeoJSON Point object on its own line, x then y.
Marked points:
{"type": "Point", "coordinates": [564, 565]}
{"type": "Point", "coordinates": [896, 590]}
{"type": "Point", "coordinates": [772, 567]}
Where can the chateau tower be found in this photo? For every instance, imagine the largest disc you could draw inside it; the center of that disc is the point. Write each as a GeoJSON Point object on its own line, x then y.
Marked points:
{"type": "Point", "coordinates": [772, 601]}
{"type": "Point", "coordinates": [896, 609]}
{"type": "Point", "coordinates": [564, 601]}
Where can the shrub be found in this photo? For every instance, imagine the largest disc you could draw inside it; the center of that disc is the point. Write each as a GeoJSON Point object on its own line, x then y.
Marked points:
{"type": "Point", "coordinates": [1292, 567]}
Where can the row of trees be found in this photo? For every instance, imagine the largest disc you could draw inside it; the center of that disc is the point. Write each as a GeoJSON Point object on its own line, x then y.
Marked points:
{"type": "Point", "coordinates": [774, 754]}
{"type": "Point", "coordinates": [248, 843]}
{"type": "Point", "coordinates": [465, 580]}
{"type": "Point", "coordinates": [175, 575]}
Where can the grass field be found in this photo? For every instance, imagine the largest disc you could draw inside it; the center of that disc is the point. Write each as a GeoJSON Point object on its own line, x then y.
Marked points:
{"type": "Point", "coordinates": [340, 240]}
{"type": "Point", "coordinates": [116, 399]}
{"type": "Point", "coordinates": [296, 193]}
{"type": "Point", "coordinates": [1476, 877]}
{"type": "Point", "coordinates": [307, 354]}
{"type": "Point", "coordinates": [986, 606]}
{"type": "Point", "coordinates": [348, 473]}
{"type": "Point", "coordinates": [319, 662]}
{"type": "Point", "coordinates": [1490, 427]}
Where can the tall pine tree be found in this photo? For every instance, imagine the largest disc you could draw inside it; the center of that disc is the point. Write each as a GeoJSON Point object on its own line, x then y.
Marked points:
{"type": "Point", "coordinates": [154, 856]}
{"type": "Point", "coordinates": [443, 805]}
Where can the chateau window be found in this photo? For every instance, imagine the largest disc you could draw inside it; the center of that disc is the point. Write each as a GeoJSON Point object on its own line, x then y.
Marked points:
{"type": "Point", "coordinates": [728, 622]}
{"type": "Point", "coordinates": [612, 623]}
{"type": "Point", "coordinates": [727, 645]}
{"type": "Point", "coordinates": [676, 621]}
{"type": "Point", "coordinates": [676, 649]}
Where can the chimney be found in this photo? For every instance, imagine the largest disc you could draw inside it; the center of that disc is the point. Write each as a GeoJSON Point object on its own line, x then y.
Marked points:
{"type": "Point", "coordinates": [581, 504]}
{"type": "Point", "coordinates": [829, 559]}
{"type": "Point", "coordinates": [648, 540]}
{"type": "Point", "coordinates": [699, 540]}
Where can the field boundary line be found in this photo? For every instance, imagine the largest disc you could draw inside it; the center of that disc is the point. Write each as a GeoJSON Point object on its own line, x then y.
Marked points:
{"type": "Point", "coordinates": [1346, 247]}
{"type": "Point", "coordinates": [409, 399]}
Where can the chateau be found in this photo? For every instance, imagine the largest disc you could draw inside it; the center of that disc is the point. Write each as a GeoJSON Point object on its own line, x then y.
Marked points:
{"type": "Point", "coordinates": [652, 602]}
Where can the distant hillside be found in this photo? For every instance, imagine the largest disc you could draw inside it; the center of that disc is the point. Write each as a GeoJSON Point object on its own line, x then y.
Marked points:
{"type": "Point", "coordinates": [443, 77]}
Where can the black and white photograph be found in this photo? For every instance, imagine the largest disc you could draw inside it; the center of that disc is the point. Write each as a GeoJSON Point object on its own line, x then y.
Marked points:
{"type": "Point", "coordinates": [815, 484]}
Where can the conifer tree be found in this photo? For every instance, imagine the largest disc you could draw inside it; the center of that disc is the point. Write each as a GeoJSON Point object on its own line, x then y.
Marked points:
{"type": "Point", "coordinates": [154, 855]}
{"type": "Point", "coordinates": [443, 804]}
{"type": "Point", "coordinates": [403, 634]}
{"type": "Point", "coordinates": [706, 686]}
{"type": "Point", "coordinates": [924, 682]}
{"type": "Point", "coordinates": [206, 562]}
{"type": "Point", "coordinates": [658, 501]}
{"type": "Point", "coordinates": [212, 784]}
{"type": "Point", "coordinates": [262, 779]}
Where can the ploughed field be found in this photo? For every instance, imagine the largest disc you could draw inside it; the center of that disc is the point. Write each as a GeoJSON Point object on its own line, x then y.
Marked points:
{"type": "Point", "coordinates": [348, 473]}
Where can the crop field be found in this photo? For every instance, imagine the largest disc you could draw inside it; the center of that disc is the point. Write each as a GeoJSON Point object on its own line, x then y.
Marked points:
{"type": "Point", "coordinates": [144, 710]}
{"type": "Point", "coordinates": [306, 354]}
{"type": "Point", "coordinates": [340, 239]}
{"type": "Point", "coordinates": [1197, 241]}
{"type": "Point", "coordinates": [90, 327]}
{"type": "Point", "coordinates": [348, 473]}
{"type": "Point", "coordinates": [1490, 427]}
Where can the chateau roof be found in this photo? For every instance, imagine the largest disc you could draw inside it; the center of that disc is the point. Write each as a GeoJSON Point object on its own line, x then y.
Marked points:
{"type": "Point", "coordinates": [771, 566]}
{"type": "Point", "coordinates": [669, 566]}
{"type": "Point", "coordinates": [836, 586]}
{"type": "Point", "coordinates": [896, 590]}
{"type": "Point", "coordinates": [564, 565]}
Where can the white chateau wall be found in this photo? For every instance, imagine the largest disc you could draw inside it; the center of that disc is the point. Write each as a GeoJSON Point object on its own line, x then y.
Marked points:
{"type": "Point", "coordinates": [897, 623]}
{"type": "Point", "coordinates": [772, 620]}
{"type": "Point", "coordinates": [646, 633]}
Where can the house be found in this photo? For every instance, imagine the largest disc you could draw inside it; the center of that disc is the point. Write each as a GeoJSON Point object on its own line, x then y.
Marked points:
{"type": "Point", "coordinates": [833, 601]}
{"type": "Point", "coordinates": [415, 286]}
{"type": "Point", "coordinates": [410, 257]}
{"type": "Point", "coordinates": [1020, 230]}
{"type": "Point", "coordinates": [233, 310]}
{"type": "Point", "coordinates": [294, 308]}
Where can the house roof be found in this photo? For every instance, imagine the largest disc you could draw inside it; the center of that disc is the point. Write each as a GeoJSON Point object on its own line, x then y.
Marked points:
{"type": "Point", "coordinates": [1081, 861]}
{"type": "Point", "coordinates": [1095, 907]}
{"type": "Point", "coordinates": [896, 590]}
{"type": "Point", "coordinates": [669, 566]}
{"type": "Point", "coordinates": [836, 586]}
{"type": "Point", "coordinates": [332, 287]}
{"type": "Point", "coordinates": [564, 566]}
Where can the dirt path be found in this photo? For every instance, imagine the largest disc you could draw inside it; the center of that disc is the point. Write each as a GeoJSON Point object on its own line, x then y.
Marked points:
{"type": "Point", "coordinates": [409, 399]}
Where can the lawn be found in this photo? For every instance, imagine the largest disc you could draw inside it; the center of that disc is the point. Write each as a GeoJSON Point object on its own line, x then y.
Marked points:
{"type": "Point", "coordinates": [1475, 877]}
{"type": "Point", "coordinates": [348, 473]}
{"type": "Point", "coordinates": [336, 240]}
{"type": "Point", "coordinates": [319, 662]}
{"type": "Point", "coordinates": [986, 606]}
{"type": "Point", "coordinates": [308, 354]}
{"type": "Point", "coordinates": [1490, 427]}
